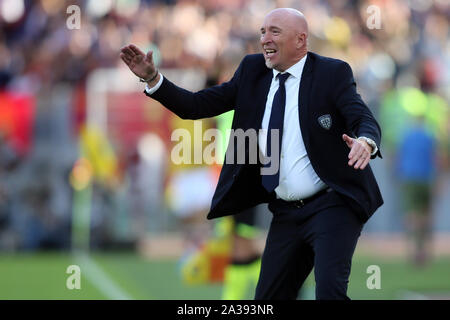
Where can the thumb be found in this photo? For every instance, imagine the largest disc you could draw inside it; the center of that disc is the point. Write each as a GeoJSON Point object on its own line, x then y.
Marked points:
{"type": "Point", "coordinates": [348, 140]}
{"type": "Point", "coordinates": [149, 57]}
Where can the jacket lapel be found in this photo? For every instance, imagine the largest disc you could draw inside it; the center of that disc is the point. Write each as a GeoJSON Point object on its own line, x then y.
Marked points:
{"type": "Point", "coordinates": [304, 94]}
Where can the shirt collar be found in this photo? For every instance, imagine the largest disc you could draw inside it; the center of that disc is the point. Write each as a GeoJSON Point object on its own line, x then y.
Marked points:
{"type": "Point", "coordinates": [295, 70]}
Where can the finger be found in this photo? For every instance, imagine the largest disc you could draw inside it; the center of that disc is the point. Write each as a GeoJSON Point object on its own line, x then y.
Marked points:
{"type": "Point", "coordinates": [362, 163]}
{"type": "Point", "coordinates": [365, 155]}
{"type": "Point", "coordinates": [149, 56]}
{"type": "Point", "coordinates": [365, 163]}
{"type": "Point", "coordinates": [128, 51]}
{"type": "Point", "coordinates": [359, 162]}
{"type": "Point", "coordinates": [351, 154]}
{"type": "Point", "coordinates": [136, 50]}
{"type": "Point", "coordinates": [124, 48]}
{"type": "Point", "coordinates": [125, 59]}
{"type": "Point", "coordinates": [359, 152]}
{"type": "Point", "coordinates": [124, 56]}
{"type": "Point", "coordinates": [348, 140]}
{"type": "Point", "coordinates": [355, 153]}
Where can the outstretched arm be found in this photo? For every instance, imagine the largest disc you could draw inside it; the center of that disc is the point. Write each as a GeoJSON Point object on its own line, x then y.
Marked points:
{"type": "Point", "coordinates": [186, 104]}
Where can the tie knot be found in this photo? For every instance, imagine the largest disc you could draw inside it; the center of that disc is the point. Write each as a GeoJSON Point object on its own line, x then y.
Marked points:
{"type": "Point", "coordinates": [282, 77]}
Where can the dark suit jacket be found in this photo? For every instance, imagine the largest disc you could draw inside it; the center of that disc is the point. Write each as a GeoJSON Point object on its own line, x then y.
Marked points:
{"type": "Point", "coordinates": [327, 88]}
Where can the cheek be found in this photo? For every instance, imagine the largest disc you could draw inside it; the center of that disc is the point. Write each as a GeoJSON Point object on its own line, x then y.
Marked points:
{"type": "Point", "coordinates": [280, 52]}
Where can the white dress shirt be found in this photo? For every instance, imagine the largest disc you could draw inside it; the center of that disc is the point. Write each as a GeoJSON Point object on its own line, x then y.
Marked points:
{"type": "Point", "coordinates": [298, 180]}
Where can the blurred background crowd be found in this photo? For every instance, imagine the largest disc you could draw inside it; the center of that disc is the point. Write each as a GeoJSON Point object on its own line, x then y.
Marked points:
{"type": "Point", "coordinates": [59, 165]}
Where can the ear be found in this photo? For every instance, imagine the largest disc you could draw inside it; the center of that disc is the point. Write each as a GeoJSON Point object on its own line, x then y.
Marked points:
{"type": "Point", "coordinates": [301, 40]}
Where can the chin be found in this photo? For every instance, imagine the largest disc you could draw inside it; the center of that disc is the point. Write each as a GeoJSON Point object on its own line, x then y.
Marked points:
{"type": "Point", "coordinates": [269, 64]}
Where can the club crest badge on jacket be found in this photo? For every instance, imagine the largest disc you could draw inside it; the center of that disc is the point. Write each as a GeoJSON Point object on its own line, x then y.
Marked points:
{"type": "Point", "coordinates": [325, 121]}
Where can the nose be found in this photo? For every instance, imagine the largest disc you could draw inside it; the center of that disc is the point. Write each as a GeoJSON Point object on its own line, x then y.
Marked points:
{"type": "Point", "coordinates": [265, 38]}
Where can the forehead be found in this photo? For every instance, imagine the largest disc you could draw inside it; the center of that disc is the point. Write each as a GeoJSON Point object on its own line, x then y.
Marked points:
{"type": "Point", "coordinates": [275, 20]}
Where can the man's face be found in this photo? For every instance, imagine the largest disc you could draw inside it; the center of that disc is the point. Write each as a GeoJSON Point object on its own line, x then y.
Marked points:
{"type": "Point", "coordinates": [278, 41]}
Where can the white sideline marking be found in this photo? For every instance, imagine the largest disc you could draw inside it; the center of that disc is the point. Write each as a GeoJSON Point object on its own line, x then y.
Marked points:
{"type": "Point", "coordinates": [411, 295]}
{"type": "Point", "coordinates": [100, 279]}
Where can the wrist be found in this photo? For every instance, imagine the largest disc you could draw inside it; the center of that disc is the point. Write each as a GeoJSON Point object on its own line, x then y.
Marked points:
{"type": "Point", "coordinates": [370, 144]}
{"type": "Point", "coordinates": [154, 77]}
{"type": "Point", "coordinates": [154, 81]}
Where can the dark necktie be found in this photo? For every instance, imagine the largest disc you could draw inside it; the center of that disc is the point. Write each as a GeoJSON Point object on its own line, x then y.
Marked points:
{"type": "Point", "coordinates": [270, 182]}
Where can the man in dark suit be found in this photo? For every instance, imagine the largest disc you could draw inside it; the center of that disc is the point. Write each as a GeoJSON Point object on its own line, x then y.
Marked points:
{"type": "Point", "coordinates": [321, 189]}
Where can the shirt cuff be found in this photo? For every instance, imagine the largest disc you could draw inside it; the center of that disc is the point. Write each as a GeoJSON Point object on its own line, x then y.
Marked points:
{"type": "Point", "coordinates": [371, 143]}
{"type": "Point", "coordinates": [155, 87]}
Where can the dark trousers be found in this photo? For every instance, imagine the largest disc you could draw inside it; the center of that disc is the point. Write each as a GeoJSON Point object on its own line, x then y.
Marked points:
{"type": "Point", "coordinates": [322, 234]}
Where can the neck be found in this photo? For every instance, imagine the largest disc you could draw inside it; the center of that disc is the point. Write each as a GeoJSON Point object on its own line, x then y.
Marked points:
{"type": "Point", "coordinates": [297, 59]}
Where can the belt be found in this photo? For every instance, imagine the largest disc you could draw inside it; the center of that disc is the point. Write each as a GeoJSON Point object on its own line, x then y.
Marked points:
{"type": "Point", "coordinates": [302, 202]}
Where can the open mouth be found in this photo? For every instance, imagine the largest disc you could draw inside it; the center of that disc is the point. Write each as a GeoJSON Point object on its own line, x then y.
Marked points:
{"type": "Point", "coordinates": [270, 52]}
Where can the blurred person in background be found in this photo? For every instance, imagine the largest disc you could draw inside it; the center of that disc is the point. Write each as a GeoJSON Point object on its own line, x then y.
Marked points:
{"type": "Point", "coordinates": [242, 272]}
{"type": "Point", "coordinates": [190, 188]}
{"type": "Point", "coordinates": [416, 169]}
{"type": "Point", "coordinates": [421, 159]}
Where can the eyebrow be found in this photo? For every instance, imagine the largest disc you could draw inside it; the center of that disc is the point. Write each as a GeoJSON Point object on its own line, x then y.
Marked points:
{"type": "Point", "coordinates": [271, 28]}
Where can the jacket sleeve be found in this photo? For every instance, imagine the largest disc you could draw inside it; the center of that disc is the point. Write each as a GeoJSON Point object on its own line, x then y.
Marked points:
{"type": "Point", "coordinates": [206, 103]}
{"type": "Point", "coordinates": [358, 117]}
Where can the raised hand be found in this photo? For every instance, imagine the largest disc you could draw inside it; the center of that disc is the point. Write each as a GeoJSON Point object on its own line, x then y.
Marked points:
{"type": "Point", "coordinates": [360, 152]}
{"type": "Point", "coordinates": [140, 64]}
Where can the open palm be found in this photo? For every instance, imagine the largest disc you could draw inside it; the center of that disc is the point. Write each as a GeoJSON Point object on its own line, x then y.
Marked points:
{"type": "Point", "coordinates": [140, 64]}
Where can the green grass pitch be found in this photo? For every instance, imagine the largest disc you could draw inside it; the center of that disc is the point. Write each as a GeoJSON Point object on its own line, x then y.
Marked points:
{"type": "Point", "coordinates": [43, 276]}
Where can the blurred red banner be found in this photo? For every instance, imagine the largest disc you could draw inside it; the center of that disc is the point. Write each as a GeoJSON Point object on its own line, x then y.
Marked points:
{"type": "Point", "coordinates": [16, 120]}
